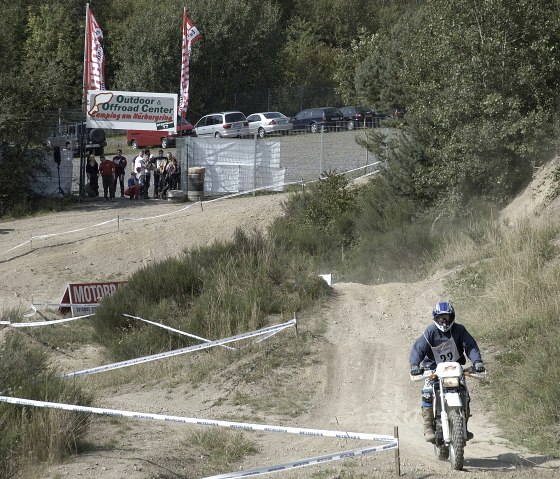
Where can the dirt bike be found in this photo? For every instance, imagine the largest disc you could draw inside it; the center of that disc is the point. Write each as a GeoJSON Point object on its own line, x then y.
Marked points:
{"type": "Point", "coordinates": [451, 409]}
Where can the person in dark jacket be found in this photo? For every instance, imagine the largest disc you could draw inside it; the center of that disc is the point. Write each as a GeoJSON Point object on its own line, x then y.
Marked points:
{"type": "Point", "coordinates": [120, 167]}
{"type": "Point", "coordinates": [92, 172]}
{"type": "Point", "coordinates": [444, 340]}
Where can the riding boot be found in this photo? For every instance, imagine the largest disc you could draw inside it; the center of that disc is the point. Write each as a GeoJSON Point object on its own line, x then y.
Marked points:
{"type": "Point", "coordinates": [428, 417]}
{"type": "Point", "coordinates": [470, 435]}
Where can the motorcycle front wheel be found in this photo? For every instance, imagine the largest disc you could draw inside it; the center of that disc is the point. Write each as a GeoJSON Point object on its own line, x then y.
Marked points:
{"type": "Point", "coordinates": [440, 449]}
{"type": "Point", "coordinates": [457, 446]}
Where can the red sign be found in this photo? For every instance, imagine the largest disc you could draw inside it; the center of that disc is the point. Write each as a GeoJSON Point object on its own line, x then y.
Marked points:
{"type": "Point", "coordinates": [84, 297]}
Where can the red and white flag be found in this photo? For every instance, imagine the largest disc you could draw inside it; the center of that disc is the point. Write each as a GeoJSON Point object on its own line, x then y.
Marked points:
{"type": "Point", "coordinates": [94, 68]}
{"type": "Point", "coordinates": [190, 35]}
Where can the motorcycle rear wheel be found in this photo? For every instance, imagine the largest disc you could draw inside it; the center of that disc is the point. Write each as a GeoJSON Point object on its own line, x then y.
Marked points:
{"type": "Point", "coordinates": [457, 446]}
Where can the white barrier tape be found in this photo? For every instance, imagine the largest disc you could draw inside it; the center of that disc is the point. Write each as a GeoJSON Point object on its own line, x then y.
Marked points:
{"type": "Point", "coordinates": [307, 462]}
{"type": "Point", "coordinates": [5, 322]}
{"type": "Point", "coordinates": [169, 328]}
{"type": "Point", "coordinates": [46, 323]}
{"type": "Point", "coordinates": [103, 223]}
{"type": "Point", "coordinates": [199, 421]}
{"type": "Point", "coordinates": [160, 215]}
{"type": "Point", "coordinates": [371, 173]}
{"type": "Point", "coordinates": [16, 247]}
{"type": "Point", "coordinates": [361, 167]}
{"type": "Point", "coordinates": [64, 305]}
{"type": "Point", "coordinates": [242, 193]}
{"type": "Point", "coordinates": [177, 352]}
{"type": "Point", "coordinates": [392, 441]}
{"type": "Point", "coordinates": [268, 335]}
{"type": "Point", "coordinates": [46, 236]}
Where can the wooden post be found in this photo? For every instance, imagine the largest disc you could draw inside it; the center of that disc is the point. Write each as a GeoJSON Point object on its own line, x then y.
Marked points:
{"type": "Point", "coordinates": [397, 453]}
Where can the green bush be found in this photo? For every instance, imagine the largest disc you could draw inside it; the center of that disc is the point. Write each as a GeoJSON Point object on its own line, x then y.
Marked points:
{"type": "Point", "coordinates": [319, 222]}
{"type": "Point", "coordinates": [212, 291]}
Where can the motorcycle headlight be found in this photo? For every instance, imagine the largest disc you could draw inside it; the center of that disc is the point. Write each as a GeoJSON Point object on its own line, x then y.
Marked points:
{"type": "Point", "coordinates": [451, 382]}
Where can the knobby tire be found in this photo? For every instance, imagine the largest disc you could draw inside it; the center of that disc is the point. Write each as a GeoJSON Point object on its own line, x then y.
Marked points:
{"type": "Point", "coordinates": [457, 446]}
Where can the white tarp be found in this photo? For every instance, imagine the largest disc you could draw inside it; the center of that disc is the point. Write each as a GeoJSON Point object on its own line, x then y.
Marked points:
{"type": "Point", "coordinates": [233, 166]}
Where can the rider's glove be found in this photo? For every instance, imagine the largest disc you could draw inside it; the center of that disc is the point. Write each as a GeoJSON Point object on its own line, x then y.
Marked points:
{"type": "Point", "coordinates": [415, 370]}
{"type": "Point", "coordinates": [479, 367]}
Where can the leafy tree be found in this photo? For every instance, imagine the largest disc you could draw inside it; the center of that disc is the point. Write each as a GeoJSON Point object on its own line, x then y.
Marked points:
{"type": "Point", "coordinates": [53, 50]}
{"type": "Point", "coordinates": [479, 81]}
{"type": "Point", "coordinates": [15, 104]}
{"type": "Point", "coordinates": [346, 68]}
{"type": "Point", "coordinates": [366, 71]}
{"type": "Point", "coordinates": [148, 52]}
{"type": "Point", "coordinates": [306, 60]}
{"type": "Point", "coordinates": [237, 51]}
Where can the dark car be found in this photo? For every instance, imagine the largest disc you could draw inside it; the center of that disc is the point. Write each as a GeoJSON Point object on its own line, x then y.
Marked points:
{"type": "Point", "coordinates": [68, 135]}
{"type": "Point", "coordinates": [357, 117]}
{"type": "Point", "coordinates": [361, 117]}
{"type": "Point", "coordinates": [314, 119]}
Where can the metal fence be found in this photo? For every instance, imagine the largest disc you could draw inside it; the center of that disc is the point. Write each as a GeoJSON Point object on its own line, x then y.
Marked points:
{"type": "Point", "coordinates": [304, 156]}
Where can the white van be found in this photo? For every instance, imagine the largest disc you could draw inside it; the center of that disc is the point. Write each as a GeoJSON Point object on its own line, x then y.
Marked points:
{"type": "Point", "coordinates": [226, 124]}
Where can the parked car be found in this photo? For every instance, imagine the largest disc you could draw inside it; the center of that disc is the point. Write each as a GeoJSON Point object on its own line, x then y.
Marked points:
{"type": "Point", "coordinates": [67, 135]}
{"type": "Point", "coordinates": [313, 119]}
{"type": "Point", "coordinates": [269, 122]}
{"type": "Point", "coordinates": [163, 138]}
{"type": "Point", "coordinates": [224, 124]}
{"type": "Point", "coordinates": [357, 117]}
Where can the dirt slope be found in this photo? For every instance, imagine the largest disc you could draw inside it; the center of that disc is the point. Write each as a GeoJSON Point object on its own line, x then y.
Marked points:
{"type": "Point", "coordinates": [361, 383]}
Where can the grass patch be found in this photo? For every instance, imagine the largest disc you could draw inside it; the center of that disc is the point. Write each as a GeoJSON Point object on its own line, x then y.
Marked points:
{"type": "Point", "coordinates": [29, 206]}
{"type": "Point", "coordinates": [220, 448]}
{"type": "Point", "coordinates": [512, 301]}
{"type": "Point", "coordinates": [33, 435]}
{"type": "Point", "coordinates": [64, 336]}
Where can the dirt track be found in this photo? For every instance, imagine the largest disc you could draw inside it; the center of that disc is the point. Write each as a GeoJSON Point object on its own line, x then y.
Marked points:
{"type": "Point", "coordinates": [361, 383]}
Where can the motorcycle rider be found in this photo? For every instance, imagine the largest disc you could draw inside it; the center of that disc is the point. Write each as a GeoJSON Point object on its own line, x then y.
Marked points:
{"type": "Point", "coordinates": [443, 340]}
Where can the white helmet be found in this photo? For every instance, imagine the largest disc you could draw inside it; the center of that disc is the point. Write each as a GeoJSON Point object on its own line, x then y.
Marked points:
{"type": "Point", "coordinates": [444, 315]}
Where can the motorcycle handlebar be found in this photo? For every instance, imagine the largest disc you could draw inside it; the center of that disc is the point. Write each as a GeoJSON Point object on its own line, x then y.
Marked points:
{"type": "Point", "coordinates": [468, 371]}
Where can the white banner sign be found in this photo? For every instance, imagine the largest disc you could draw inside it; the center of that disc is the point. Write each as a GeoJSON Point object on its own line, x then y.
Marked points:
{"type": "Point", "coordinates": [126, 110]}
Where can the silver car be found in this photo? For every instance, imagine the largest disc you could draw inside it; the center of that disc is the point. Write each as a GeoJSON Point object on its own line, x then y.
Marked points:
{"type": "Point", "coordinates": [269, 122]}
{"type": "Point", "coordinates": [225, 124]}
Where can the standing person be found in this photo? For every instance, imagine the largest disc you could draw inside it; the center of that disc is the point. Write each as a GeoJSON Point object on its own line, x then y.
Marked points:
{"type": "Point", "coordinates": [163, 175]}
{"type": "Point", "coordinates": [443, 340]}
{"type": "Point", "coordinates": [147, 174]}
{"type": "Point", "coordinates": [107, 170]}
{"type": "Point", "coordinates": [120, 164]}
{"type": "Point", "coordinates": [92, 172]}
{"type": "Point", "coordinates": [140, 167]}
{"type": "Point", "coordinates": [176, 175]}
{"type": "Point", "coordinates": [156, 164]}
{"type": "Point", "coordinates": [138, 160]}
{"type": "Point", "coordinates": [169, 172]}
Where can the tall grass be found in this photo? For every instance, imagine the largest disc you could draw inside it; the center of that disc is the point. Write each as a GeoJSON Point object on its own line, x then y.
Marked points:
{"type": "Point", "coordinates": [31, 435]}
{"type": "Point", "coordinates": [512, 300]}
{"type": "Point", "coordinates": [212, 291]}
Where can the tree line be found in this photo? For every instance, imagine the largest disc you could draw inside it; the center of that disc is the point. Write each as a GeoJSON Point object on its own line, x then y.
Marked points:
{"type": "Point", "coordinates": [478, 79]}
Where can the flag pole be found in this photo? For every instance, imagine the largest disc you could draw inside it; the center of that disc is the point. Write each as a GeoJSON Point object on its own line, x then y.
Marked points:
{"type": "Point", "coordinates": [84, 104]}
